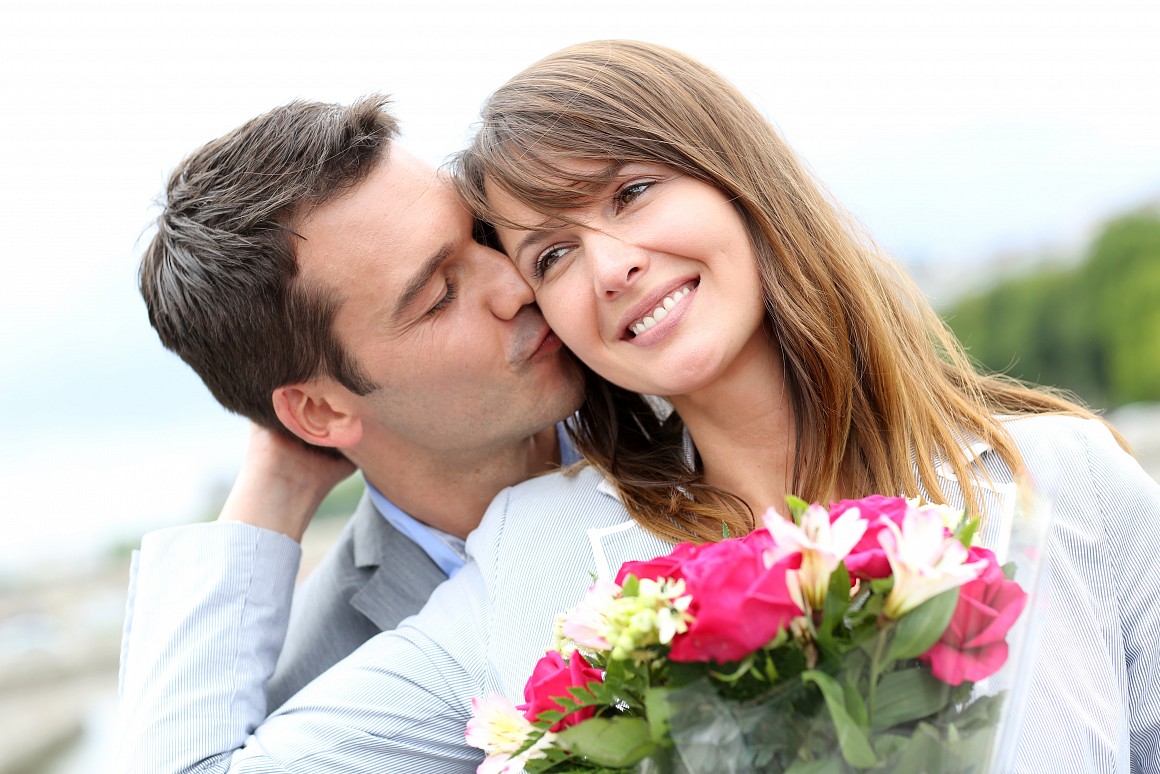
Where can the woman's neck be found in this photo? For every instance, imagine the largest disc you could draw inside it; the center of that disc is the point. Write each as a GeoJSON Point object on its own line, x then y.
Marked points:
{"type": "Point", "coordinates": [743, 428]}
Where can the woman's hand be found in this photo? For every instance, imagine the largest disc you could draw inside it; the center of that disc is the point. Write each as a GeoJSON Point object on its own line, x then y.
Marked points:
{"type": "Point", "coordinates": [282, 483]}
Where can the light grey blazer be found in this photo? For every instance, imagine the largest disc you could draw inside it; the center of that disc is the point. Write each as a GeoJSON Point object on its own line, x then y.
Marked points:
{"type": "Point", "coordinates": [370, 580]}
{"type": "Point", "coordinates": [400, 703]}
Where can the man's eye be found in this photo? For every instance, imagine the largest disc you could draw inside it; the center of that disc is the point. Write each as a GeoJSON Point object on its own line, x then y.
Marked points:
{"type": "Point", "coordinates": [626, 195]}
{"type": "Point", "coordinates": [548, 259]}
{"type": "Point", "coordinates": [448, 296]}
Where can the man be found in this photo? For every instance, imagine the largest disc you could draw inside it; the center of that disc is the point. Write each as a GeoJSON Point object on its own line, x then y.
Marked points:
{"type": "Point", "coordinates": [326, 284]}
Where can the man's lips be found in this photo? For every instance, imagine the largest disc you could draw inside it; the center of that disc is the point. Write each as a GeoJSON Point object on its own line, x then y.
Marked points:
{"type": "Point", "coordinates": [533, 343]}
{"type": "Point", "coordinates": [548, 344]}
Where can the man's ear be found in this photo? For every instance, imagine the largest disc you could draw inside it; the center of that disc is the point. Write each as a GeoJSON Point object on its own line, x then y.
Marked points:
{"type": "Point", "coordinates": [318, 415]}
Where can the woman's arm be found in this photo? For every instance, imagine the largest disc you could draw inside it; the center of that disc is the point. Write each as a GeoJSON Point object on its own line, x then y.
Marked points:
{"type": "Point", "coordinates": [1130, 502]}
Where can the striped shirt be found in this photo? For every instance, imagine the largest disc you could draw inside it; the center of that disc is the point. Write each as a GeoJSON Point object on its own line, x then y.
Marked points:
{"type": "Point", "coordinates": [208, 606]}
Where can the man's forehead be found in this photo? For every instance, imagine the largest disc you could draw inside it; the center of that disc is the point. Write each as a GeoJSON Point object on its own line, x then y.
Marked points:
{"type": "Point", "coordinates": [400, 200]}
{"type": "Point", "coordinates": [376, 238]}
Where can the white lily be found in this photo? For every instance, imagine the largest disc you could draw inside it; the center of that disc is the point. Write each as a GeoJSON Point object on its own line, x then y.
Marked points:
{"type": "Point", "coordinates": [925, 561]}
{"type": "Point", "coordinates": [823, 545]}
{"type": "Point", "coordinates": [496, 726]}
{"type": "Point", "coordinates": [951, 517]}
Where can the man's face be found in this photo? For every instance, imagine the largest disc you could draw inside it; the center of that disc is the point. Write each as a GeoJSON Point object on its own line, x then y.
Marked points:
{"type": "Point", "coordinates": [443, 325]}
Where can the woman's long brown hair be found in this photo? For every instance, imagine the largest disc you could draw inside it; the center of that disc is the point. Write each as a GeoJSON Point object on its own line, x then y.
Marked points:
{"type": "Point", "coordinates": [881, 390]}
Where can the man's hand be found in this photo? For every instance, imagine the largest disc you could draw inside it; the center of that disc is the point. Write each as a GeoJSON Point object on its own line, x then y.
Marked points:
{"type": "Point", "coordinates": [282, 483]}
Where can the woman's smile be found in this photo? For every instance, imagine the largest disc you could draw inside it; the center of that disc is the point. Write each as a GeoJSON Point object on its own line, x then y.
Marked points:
{"type": "Point", "coordinates": [653, 283]}
{"type": "Point", "coordinates": [647, 328]}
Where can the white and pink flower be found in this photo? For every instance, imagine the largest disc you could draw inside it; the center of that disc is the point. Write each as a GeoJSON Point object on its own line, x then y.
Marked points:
{"type": "Point", "coordinates": [925, 559]}
{"type": "Point", "coordinates": [588, 622]}
{"type": "Point", "coordinates": [823, 545]}
{"type": "Point", "coordinates": [607, 620]}
{"type": "Point", "coordinates": [499, 729]}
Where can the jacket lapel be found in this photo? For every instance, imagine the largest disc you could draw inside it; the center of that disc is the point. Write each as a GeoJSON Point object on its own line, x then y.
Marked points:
{"type": "Point", "coordinates": [399, 575]}
{"type": "Point", "coordinates": [616, 544]}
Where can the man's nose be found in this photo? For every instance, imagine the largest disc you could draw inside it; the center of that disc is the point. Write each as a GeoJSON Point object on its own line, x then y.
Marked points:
{"type": "Point", "coordinates": [616, 263]}
{"type": "Point", "coordinates": [508, 292]}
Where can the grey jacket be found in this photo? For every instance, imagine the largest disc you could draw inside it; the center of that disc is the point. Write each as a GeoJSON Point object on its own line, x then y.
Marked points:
{"type": "Point", "coordinates": [371, 579]}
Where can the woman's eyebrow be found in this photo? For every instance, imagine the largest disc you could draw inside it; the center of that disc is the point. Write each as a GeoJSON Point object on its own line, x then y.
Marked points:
{"type": "Point", "coordinates": [530, 239]}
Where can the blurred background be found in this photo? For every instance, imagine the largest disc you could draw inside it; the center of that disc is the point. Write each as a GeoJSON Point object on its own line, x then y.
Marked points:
{"type": "Point", "coordinates": [1005, 152]}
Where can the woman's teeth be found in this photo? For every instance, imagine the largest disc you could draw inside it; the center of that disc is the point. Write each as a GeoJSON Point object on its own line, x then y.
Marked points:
{"type": "Point", "coordinates": [659, 313]}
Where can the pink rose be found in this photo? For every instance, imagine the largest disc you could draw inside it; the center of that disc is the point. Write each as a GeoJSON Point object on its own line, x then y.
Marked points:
{"type": "Point", "coordinates": [738, 604]}
{"type": "Point", "coordinates": [551, 680]}
{"type": "Point", "coordinates": [974, 645]}
{"type": "Point", "coordinates": [667, 566]}
{"type": "Point", "coordinates": [867, 559]}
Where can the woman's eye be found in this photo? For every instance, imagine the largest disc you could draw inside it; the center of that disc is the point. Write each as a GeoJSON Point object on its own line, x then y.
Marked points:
{"type": "Point", "coordinates": [625, 196]}
{"type": "Point", "coordinates": [548, 259]}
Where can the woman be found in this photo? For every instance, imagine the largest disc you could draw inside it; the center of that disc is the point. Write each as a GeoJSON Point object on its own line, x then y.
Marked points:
{"type": "Point", "coordinates": [679, 248]}
{"type": "Point", "coordinates": [845, 380]}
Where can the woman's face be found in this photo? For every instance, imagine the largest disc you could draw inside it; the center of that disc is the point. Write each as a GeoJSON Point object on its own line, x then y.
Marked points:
{"type": "Point", "coordinates": [657, 289]}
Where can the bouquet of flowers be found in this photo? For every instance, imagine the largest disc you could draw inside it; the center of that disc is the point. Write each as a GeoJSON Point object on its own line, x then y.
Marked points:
{"type": "Point", "coordinates": [849, 639]}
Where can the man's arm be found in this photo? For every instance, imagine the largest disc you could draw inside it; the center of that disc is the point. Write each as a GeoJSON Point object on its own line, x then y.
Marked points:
{"type": "Point", "coordinates": [210, 602]}
{"type": "Point", "coordinates": [227, 584]}
{"type": "Point", "coordinates": [206, 615]}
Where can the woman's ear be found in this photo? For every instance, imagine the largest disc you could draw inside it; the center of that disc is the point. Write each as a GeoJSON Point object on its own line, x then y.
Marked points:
{"type": "Point", "coordinates": [318, 415]}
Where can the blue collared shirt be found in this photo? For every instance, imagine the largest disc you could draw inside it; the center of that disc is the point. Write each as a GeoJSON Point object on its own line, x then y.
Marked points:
{"type": "Point", "coordinates": [448, 551]}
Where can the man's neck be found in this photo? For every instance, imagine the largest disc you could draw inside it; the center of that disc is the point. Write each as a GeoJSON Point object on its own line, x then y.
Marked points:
{"type": "Point", "coordinates": [451, 490]}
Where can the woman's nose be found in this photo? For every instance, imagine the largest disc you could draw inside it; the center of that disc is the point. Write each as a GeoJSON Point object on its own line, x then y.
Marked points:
{"type": "Point", "coordinates": [616, 264]}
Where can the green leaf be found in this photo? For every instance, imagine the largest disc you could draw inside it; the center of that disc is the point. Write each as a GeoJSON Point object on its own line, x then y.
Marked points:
{"type": "Point", "coordinates": [724, 531]}
{"type": "Point", "coordinates": [658, 710]}
{"type": "Point", "coordinates": [982, 713]}
{"type": "Point", "coordinates": [882, 585]}
{"type": "Point", "coordinates": [907, 695]}
{"type": "Point", "coordinates": [837, 602]}
{"type": "Point", "coordinates": [855, 704]}
{"type": "Point", "coordinates": [856, 749]}
{"type": "Point", "coordinates": [743, 667]}
{"type": "Point", "coordinates": [620, 741]}
{"type": "Point", "coordinates": [797, 508]}
{"type": "Point", "coordinates": [602, 694]}
{"type": "Point", "coordinates": [887, 745]}
{"type": "Point", "coordinates": [918, 630]}
{"type": "Point", "coordinates": [631, 586]}
{"type": "Point", "coordinates": [967, 529]}
{"type": "Point", "coordinates": [683, 673]}
{"type": "Point", "coordinates": [581, 695]}
{"type": "Point", "coordinates": [550, 717]}
{"type": "Point", "coordinates": [831, 765]}
{"type": "Point", "coordinates": [924, 751]}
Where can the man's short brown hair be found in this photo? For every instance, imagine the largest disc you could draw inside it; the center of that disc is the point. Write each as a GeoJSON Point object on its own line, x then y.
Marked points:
{"type": "Point", "coordinates": [220, 278]}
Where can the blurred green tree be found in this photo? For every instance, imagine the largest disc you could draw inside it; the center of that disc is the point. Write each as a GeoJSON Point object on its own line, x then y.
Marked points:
{"type": "Point", "coordinates": [1093, 329]}
{"type": "Point", "coordinates": [1122, 276]}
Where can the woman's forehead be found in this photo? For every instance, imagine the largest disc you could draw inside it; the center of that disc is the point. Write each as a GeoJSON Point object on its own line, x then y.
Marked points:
{"type": "Point", "coordinates": [535, 196]}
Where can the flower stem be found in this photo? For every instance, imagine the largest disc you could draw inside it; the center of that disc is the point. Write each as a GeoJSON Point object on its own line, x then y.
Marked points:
{"type": "Point", "coordinates": [875, 660]}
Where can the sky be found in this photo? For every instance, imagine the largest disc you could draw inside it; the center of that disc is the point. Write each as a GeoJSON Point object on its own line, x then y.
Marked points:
{"type": "Point", "coordinates": [958, 132]}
